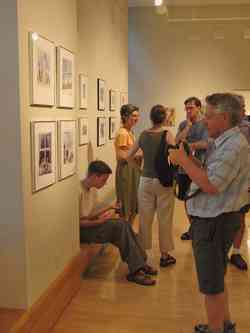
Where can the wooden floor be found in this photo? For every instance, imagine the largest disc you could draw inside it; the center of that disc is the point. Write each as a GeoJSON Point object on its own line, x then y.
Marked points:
{"type": "Point", "coordinates": [107, 303]}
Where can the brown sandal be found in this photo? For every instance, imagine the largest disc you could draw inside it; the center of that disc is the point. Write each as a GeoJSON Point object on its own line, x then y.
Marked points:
{"type": "Point", "coordinates": [141, 278]}
{"type": "Point", "coordinates": [149, 270]}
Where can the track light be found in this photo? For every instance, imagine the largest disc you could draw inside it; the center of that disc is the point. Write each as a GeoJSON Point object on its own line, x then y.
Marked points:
{"type": "Point", "coordinates": [158, 2]}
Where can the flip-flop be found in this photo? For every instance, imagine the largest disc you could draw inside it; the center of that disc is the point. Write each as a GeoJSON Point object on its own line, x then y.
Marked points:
{"type": "Point", "coordinates": [141, 279]}
{"type": "Point", "coordinates": [149, 270]}
{"type": "Point", "coordinates": [167, 261]}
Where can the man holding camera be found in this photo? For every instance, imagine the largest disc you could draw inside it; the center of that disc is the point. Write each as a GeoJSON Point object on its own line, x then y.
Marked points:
{"type": "Point", "coordinates": [215, 209]}
{"type": "Point", "coordinates": [191, 130]}
{"type": "Point", "coordinates": [102, 227]}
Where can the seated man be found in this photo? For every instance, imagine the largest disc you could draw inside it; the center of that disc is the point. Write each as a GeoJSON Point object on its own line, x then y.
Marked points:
{"type": "Point", "coordinates": [101, 227]}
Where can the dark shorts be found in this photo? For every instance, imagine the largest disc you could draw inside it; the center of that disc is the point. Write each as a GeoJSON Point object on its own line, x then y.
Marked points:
{"type": "Point", "coordinates": [183, 183]}
{"type": "Point", "coordinates": [212, 239]}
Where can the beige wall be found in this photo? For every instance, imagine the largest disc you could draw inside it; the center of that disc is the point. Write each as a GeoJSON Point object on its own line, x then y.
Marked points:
{"type": "Point", "coordinates": [103, 53]}
{"type": "Point", "coordinates": [12, 234]}
{"type": "Point", "coordinates": [50, 215]}
{"type": "Point", "coordinates": [165, 66]}
{"type": "Point", "coordinates": [40, 231]}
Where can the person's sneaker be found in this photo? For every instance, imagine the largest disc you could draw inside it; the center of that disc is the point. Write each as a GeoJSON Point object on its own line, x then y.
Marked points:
{"type": "Point", "coordinates": [203, 328]}
{"type": "Point", "coordinates": [239, 262]}
{"type": "Point", "coordinates": [230, 328]}
{"type": "Point", "coordinates": [185, 236]}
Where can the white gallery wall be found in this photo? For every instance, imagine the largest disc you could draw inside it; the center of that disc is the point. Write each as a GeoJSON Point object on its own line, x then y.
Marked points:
{"type": "Point", "coordinates": [39, 231]}
{"type": "Point", "coordinates": [170, 61]}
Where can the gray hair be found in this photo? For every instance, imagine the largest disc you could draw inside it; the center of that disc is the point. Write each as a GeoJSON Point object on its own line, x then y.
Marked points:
{"type": "Point", "coordinates": [226, 103]}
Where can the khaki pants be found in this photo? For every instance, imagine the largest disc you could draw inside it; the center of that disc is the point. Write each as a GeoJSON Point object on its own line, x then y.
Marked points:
{"type": "Point", "coordinates": [155, 198]}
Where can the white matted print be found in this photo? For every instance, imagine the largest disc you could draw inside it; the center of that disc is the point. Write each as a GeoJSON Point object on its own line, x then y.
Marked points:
{"type": "Point", "coordinates": [43, 138]}
{"type": "Point", "coordinates": [112, 100]}
{"type": "Point", "coordinates": [112, 127]}
{"type": "Point", "coordinates": [65, 78]}
{"type": "Point", "coordinates": [42, 70]}
{"type": "Point", "coordinates": [101, 131]}
{"type": "Point", "coordinates": [123, 98]}
{"type": "Point", "coordinates": [83, 128]}
{"type": "Point", "coordinates": [101, 94]}
{"type": "Point", "coordinates": [83, 91]}
{"type": "Point", "coordinates": [67, 146]}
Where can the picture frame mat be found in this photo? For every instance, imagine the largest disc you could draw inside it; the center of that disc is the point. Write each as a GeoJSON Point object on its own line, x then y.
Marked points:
{"type": "Point", "coordinates": [40, 93]}
{"type": "Point", "coordinates": [66, 169]}
{"type": "Point", "coordinates": [38, 128]}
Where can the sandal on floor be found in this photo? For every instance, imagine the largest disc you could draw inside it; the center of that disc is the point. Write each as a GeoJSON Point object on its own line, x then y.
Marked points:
{"type": "Point", "coordinates": [149, 270]}
{"type": "Point", "coordinates": [141, 278]}
{"type": "Point", "coordinates": [167, 261]}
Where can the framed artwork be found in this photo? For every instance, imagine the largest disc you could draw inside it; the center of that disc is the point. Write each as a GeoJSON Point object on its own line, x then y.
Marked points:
{"type": "Point", "coordinates": [123, 98]}
{"type": "Point", "coordinates": [100, 94]}
{"type": "Point", "coordinates": [112, 100]}
{"type": "Point", "coordinates": [101, 131]}
{"type": "Point", "coordinates": [83, 91]}
{"type": "Point", "coordinates": [42, 70]}
{"type": "Point", "coordinates": [43, 140]}
{"type": "Point", "coordinates": [112, 127]}
{"type": "Point", "coordinates": [65, 78]}
{"type": "Point", "coordinates": [67, 148]}
{"type": "Point", "coordinates": [170, 120]}
{"type": "Point", "coordinates": [83, 128]}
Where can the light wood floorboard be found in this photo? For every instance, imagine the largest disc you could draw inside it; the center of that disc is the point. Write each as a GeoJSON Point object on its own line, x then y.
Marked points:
{"type": "Point", "coordinates": [107, 303]}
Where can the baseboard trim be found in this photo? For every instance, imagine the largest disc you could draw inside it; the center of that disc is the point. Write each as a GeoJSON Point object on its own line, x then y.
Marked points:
{"type": "Point", "coordinates": [43, 315]}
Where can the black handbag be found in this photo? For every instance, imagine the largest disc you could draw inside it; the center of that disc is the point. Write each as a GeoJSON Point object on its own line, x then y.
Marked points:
{"type": "Point", "coordinates": [164, 168]}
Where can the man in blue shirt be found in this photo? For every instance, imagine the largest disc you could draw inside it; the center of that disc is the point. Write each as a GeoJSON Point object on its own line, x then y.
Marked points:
{"type": "Point", "coordinates": [215, 209]}
{"type": "Point", "coordinates": [191, 130]}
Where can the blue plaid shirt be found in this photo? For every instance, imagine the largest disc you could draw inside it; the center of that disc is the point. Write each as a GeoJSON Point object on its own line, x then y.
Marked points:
{"type": "Point", "coordinates": [227, 169]}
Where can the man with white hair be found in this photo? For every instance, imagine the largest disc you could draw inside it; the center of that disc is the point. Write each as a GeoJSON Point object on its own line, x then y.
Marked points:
{"type": "Point", "coordinates": [221, 188]}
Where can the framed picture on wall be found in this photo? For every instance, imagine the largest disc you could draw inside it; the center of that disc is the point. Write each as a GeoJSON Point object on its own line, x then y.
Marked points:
{"type": "Point", "coordinates": [112, 100]}
{"type": "Point", "coordinates": [101, 131]}
{"type": "Point", "coordinates": [83, 91]}
{"type": "Point", "coordinates": [123, 98]}
{"type": "Point", "coordinates": [65, 78]}
{"type": "Point", "coordinates": [67, 148]}
{"type": "Point", "coordinates": [43, 147]}
{"type": "Point", "coordinates": [112, 127]}
{"type": "Point", "coordinates": [42, 70]}
{"type": "Point", "coordinates": [101, 94]}
{"type": "Point", "coordinates": [83, 128]}
{"type": "Point", "coordinates": [170, 121]}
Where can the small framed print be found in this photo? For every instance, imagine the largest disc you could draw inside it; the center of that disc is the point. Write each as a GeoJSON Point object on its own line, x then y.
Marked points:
{"type": "Point", "coordinates": [112, 100]}
{"type": "Point", "coordinates": [101, 131]}
{"type": "Point", "coordinates": [42, 70]}
{"type": "Point", "coordinates": [83, 91]}
{"type": "Point", "coordinates": [101, 94]}
{"type": "Point", "coordinates": [67, 148]}
{"type": "Point", "coordinates": [43, 140]}
{"type": "Point", "coordinates": [83, 128]}
{"type": "Point", "coordinates": [112, 127]}
{"type": "Point", "coordinates": [65, 78]}
{"type": "Point", "coordinates": [123, 98]}
{"type": "Point", "coordinates": [170, 121]}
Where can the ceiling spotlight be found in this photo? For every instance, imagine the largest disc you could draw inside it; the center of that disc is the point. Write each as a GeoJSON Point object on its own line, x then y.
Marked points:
{"type": "Point", "coordinates": [158, 2]}
{"type": "Point", "coordinates": [162, 10]}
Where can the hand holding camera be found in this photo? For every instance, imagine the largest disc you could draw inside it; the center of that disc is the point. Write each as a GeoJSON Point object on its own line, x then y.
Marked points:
{"type": "Point", "coordinates": [178, 152]}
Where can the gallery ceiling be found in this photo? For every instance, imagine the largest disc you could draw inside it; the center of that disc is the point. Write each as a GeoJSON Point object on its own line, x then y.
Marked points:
{"type": "Point", "coordinates": [142, 3]}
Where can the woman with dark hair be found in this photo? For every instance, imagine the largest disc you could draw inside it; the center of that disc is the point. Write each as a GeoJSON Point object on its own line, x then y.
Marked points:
{"type": "Point", "coordinates": [127, 172]}
{"type": "Point", "coordinates": [153, 197]}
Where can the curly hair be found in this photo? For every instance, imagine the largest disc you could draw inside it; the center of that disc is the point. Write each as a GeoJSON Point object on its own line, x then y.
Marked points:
{"type": "Point", "coordinates": [127, 110]}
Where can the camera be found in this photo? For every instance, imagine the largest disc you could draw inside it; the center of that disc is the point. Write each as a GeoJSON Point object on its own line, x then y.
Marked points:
{"type": "Point", "coordinates": [185, 146]}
